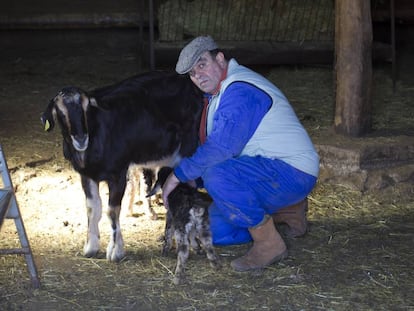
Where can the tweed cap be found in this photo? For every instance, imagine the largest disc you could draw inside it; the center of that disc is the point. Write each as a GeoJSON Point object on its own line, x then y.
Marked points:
{"type": "Point", "coordinates": [191, 53]}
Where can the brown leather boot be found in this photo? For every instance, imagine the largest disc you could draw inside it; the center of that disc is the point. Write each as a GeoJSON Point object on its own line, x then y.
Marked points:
{"type": "Point", "coordinates": [295, 217]}
{"type": "Point", "coordinates": [268, 247]}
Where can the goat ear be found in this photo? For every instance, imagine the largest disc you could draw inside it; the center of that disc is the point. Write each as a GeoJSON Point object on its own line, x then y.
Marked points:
{"type": "Point", "coordinates": [49, 116]}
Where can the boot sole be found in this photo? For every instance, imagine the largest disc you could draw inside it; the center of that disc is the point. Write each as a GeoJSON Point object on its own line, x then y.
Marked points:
{"type": "Point", "coordinates": [278, 258]}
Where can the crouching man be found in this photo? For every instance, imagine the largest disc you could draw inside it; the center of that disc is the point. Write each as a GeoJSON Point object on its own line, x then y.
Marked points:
{"type": "Point", "coordinates": [255, 158]}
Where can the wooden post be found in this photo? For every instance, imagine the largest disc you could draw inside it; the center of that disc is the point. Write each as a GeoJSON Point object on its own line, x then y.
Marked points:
{"type": "Point", "coordinates": [353, 67]}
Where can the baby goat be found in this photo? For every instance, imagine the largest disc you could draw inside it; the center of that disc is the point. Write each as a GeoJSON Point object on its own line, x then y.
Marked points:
{"type": "Point", "coordinates": [140, 180]}
{"type": "Point", "coordinates": [187, 219]}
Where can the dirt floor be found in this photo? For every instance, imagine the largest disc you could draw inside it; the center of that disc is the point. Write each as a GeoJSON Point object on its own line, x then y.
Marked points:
{"type": "Point", "coordinates": [357, 254]}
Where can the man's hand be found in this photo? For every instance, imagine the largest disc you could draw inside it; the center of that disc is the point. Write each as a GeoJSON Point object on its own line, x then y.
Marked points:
{"type": "Point", "coordinates": [170, 184]}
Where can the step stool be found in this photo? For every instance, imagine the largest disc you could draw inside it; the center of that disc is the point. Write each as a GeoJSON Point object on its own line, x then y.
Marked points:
{"type": "Point", "coordinates": [10, 209]}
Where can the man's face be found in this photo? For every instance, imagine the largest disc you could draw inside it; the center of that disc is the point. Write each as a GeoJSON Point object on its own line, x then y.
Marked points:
{"type": "Point", "coordinates": [207, 72]}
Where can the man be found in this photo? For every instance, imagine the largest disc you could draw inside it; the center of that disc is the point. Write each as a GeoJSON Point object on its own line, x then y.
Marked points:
{"type": "Point", "coordinates": [257, 159]}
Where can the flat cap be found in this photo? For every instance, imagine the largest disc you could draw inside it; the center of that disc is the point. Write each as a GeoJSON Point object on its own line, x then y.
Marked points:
{"type": "Point", "coordinates": [191, 53]}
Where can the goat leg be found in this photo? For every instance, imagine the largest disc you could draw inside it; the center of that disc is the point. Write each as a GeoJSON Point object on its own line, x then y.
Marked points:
{"type": "Point", "coordinates": [183, 252]}
{"type": "Point", "coordinates": [94, 213]}
{"type": "Point", "coordinates": [115, 250]}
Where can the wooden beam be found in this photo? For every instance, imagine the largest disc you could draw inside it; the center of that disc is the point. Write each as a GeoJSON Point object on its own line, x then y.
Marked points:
{"type": "Point", "coordinates": [353, 67]}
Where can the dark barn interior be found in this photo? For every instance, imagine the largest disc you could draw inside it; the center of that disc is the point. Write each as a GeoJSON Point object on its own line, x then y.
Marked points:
{"type": "Point", "coordinates": [359, 249]}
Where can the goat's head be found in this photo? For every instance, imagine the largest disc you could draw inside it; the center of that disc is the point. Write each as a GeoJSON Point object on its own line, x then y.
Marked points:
{"type": "Point", "coordinates": [69, 108]}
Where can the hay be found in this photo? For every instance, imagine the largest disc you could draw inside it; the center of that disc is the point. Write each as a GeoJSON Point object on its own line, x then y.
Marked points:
{"type": "Point", "coordinates": [349, 258]}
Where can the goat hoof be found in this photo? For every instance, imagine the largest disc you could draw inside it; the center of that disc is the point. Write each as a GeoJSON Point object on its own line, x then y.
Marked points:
{"type": "Point", "coordinates": [114, 258]}
{"type": "Point", "coordinates": [90, 254]}
{"type": "Point", "coordinates": [216, 264]}
{"type": "Point", "coordinates": [114, 254]}
{"type": "Point", "coordinates": [178, 280]}
{"type": "Point", "coordinates": [166, 251]}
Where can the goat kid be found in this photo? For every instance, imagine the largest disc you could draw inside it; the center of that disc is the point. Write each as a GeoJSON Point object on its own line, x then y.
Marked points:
{"type": "Point", "coordinates": [140, 183]}
{"type": "Point", "coordinates": [187, 221]}
{"type": "Point", "coordinates": [150, 119]}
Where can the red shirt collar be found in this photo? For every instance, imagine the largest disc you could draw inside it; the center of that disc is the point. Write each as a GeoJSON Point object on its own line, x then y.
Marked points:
{"type": "Point", "coordinates": [223, 76]}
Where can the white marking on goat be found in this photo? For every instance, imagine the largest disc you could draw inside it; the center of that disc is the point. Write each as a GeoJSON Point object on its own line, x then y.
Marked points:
{"type": "Point", "coordinates": [85, 104]}
{"type": "Point", "coordinates": [94, 212]}
{"type": "Point", "coordinates": [115, 250]}
{"type": "Point", "coordinates": [61, 106]}
{"type": "Point", "coordinates": [77, 145]}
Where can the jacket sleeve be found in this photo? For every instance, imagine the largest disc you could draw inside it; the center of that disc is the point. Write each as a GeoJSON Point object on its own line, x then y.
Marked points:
{"type": "Point", "coordinates": [241, 109]}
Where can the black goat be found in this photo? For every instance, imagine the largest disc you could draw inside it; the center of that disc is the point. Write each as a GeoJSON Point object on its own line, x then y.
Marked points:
{"type": "Point", "coordinates": [149, 119]}
{"type": "Point", "coordinates": [187, 221]}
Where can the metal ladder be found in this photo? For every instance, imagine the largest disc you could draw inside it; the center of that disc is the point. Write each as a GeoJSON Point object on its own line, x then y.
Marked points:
{"type": "Point", "coordinates": [10, 209]}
